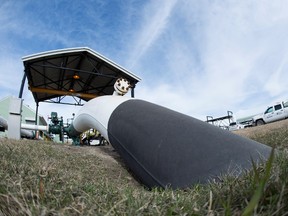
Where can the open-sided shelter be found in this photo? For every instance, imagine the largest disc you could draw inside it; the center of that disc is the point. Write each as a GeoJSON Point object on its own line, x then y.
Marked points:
{"type": "Point", "coordinates": [80, 73]}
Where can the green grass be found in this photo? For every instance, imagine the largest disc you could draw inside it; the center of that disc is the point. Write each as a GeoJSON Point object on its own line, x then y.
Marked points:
{"type": "Point", "coordinates": [40, 178]}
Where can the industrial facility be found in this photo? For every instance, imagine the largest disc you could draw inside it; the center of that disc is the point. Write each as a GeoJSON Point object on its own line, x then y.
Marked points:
{"type": "Point", "coordinates": [162, 147]}
{"type": "Point", "coordinates": [70, 77]}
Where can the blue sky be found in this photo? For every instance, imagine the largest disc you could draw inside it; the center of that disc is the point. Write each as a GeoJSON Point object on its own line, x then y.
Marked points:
{"type": "Point", "coordinates": [196, 57]}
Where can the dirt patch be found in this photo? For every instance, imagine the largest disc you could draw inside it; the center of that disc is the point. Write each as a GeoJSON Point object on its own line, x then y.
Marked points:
{"type": "Point", "coordinates": [106, 153]}
{"type": "Point", "coordinates": [110, 159]}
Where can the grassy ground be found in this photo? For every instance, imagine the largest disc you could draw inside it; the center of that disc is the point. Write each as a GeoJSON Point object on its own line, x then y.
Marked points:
{"type": "Point", "coordinates": [39, 178]}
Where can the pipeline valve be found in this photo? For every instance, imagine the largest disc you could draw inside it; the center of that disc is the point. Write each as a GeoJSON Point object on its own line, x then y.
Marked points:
{"type": "Point", "coordinates": [56, 125]}
{"type": "Point", "coordinates": [121, 86]}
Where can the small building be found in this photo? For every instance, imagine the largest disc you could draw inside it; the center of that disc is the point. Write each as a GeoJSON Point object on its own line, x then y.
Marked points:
{"type": "Point", "coordinates": [28, 114]}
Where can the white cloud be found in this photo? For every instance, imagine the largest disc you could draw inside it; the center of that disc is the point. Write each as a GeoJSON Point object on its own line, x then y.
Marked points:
{"type": "Point", "coordinates": [277, 79]}
{"type": "Point", "coordinates": [155, 18]}
{"type": "Point", "coordinates": [11, 75]}
{"type": "Point", "coordinates": [231, 57]}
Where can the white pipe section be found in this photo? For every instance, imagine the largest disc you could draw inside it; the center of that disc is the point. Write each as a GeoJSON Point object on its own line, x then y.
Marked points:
{"type": "Point", "coordinates": [96, 113]}
{"type": "Point", "coordinates": [34, 127]}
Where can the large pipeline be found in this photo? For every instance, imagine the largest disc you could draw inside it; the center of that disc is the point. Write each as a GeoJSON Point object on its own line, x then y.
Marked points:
{"type": "Point", "coordinates": [166, 148]}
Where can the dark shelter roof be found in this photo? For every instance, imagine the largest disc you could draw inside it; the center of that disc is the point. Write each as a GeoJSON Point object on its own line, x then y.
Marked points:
{"type": "Point", "coordinates": [78, 72]}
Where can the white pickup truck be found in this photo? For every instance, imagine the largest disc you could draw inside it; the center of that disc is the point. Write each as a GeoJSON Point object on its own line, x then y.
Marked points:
{"type": "Point", "coordinates": [276, 112]}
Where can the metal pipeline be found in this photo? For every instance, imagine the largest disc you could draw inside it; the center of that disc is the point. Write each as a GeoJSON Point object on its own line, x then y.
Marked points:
{"type": "Point", "coordinates": [34, 127]}
{"type": "Point", "coordinates": [166, 148]}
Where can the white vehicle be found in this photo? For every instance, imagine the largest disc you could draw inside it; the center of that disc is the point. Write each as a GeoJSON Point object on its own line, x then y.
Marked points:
{"type": "Point", "coordinates": [273, 113]}
{"type": "Point", "coordinates": [235, 126]}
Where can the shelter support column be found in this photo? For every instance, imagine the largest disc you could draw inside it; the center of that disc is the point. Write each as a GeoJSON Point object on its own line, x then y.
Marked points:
{"type": "Point", "coordinates": [36, 121]}
{"type": "Point", "coordinates": [133, 91]}
{"type": "Point", "coordinates": [22, 85]}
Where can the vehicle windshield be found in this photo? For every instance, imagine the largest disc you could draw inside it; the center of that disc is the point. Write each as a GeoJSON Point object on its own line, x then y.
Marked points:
{"type": "Point", "coordinates": [285, 103]}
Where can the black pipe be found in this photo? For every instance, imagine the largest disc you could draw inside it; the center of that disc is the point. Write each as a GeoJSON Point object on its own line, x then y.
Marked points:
{"type": "Point", "coordinates": [166, 148]}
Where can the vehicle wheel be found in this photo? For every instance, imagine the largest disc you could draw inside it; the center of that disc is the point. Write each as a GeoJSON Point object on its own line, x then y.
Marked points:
{"type": "Point", "coordinates": [260, 122]}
